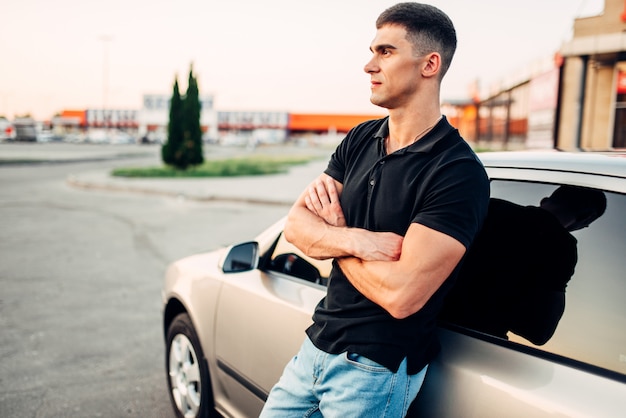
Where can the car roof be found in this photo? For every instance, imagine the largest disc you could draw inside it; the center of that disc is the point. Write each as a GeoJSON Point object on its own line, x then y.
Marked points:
{"type": "Point", "coordinates": [605, 164]}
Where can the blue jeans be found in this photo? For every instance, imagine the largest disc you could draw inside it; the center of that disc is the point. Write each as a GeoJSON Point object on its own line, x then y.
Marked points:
{"type": "Point", "coordinates": [317, 384]}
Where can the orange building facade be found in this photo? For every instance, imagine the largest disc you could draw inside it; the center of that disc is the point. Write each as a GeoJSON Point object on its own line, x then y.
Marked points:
{"type": "Point", "coordinates": [320, 123]}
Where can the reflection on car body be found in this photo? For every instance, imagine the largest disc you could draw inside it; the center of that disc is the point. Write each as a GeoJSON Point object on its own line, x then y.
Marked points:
{"type": "Point", "coordinates": [556, 350]}
{"type": "Point", "coordinates": [515, 274]}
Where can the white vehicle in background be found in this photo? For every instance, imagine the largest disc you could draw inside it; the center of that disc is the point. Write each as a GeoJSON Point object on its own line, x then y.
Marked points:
{"type": "Point", "coordinates": [25, 129]}
{"type": "Point", "coordinates": [97, 136]}
{"type": "Point", "coordinates": [117, 137]}
{"type": "Point", "coordinates": [109, 136]}
{"type": "Point", "coordinates": [7, 131]}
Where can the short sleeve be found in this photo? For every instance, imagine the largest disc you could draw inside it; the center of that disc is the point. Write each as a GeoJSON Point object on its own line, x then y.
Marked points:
{"type": "Point", "coordinates": [457, 201]}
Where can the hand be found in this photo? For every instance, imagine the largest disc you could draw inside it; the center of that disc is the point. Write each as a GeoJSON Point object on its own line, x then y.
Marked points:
{"type": "Point", "coordinates": [323, 200]}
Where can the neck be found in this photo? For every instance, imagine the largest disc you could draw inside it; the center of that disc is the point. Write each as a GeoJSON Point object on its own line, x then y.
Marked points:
{"type": "Point", "coordinates": [405, 131]}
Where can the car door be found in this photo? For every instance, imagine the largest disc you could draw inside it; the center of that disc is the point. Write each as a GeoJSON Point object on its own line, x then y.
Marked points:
{"type": "Point", "coordinates": [581, 370]}
{"type": "Point", "coordinates": [261, 319]}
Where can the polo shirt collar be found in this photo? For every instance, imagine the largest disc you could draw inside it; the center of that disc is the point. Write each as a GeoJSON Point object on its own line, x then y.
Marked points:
{"type": "Point", "coordinates": [424, 144]}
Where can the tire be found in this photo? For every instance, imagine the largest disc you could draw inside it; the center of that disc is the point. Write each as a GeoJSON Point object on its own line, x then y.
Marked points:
{"type": "Point", "coordinates": [187, 375]}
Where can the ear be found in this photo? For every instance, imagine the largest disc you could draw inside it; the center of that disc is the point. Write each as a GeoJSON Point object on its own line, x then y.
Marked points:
{"type": "Point", "coordinates": [432, 65]}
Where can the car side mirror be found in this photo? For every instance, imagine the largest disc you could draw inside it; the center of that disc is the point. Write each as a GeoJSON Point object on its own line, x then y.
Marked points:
{"type": "Point", "coordinates": [241, 257]}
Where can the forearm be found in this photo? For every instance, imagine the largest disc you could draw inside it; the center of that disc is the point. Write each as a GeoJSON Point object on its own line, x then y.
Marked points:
{"type": "Point", "coordinates": [403, 286]}
{"type": "Point", "coordinates": [315, 237]}
{"type": "Point", "coordinates": [318, 239]}
{"type": "Point", "coordinates": [317, 226]}
{"type": "Point", "coordinates": [384, 283]}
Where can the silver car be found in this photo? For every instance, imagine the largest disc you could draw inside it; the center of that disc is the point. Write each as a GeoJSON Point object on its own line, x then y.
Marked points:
{"type": "Point", "coordinates": [234, 317]}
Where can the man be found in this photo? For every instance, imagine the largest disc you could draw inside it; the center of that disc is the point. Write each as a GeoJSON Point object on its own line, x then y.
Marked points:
{"type": "Point", "coordinates": [399, 204]}
{"type": "Point", "coordinates": [514, 277]}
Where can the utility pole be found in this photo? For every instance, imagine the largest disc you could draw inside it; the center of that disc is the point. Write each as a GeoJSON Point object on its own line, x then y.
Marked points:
{"type": "Point", "coordinates": [105, 78]}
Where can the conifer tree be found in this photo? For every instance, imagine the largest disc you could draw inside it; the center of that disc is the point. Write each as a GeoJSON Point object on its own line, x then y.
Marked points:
{"type": "Point", "coordinates": [174, 140]}
{"type": "Point", "coordinates": [184, 143]}
{"type": "Point", "coordinates": [192, 132]}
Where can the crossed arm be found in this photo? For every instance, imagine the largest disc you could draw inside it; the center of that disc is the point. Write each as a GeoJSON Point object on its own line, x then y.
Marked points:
{"type": "Point", "coordinates": [398, 273]}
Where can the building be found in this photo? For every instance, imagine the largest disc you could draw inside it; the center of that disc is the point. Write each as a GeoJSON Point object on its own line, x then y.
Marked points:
{"type": "Point", "coordinates": [518, 113]}
{"type": "Point", "coordinates": [153, 117]}
{"type": "Point", "coordinates": [575, 100]}
{"type": "Point", "coordinates": [223, 127]}
{"type": "Point", "coordinates": [592, 113]}
{"type": "Point", "coordinates": [248, 127]}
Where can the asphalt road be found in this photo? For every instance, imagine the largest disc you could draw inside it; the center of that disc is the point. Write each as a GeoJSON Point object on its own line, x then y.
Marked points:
{"type": "Point", "coordinates": [80, 278]}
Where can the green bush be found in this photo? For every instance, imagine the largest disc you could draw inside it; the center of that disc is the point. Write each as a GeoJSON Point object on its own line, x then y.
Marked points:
{"type": "Point", "coordinates": [232, 167]}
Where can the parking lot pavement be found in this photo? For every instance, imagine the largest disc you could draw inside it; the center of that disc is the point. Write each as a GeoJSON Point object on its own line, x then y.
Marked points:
{"type": "Point", "coordinates": [82, 271]}
{"type": "Point", "coordinates": [62, 152]}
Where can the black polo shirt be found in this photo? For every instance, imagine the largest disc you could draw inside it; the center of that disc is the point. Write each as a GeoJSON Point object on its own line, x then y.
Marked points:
{"type": "Point", "coordinates": [438, 182]}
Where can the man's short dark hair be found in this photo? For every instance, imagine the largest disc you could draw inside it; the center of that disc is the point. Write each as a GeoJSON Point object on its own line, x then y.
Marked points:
{"type": "Point", "coordinates": [428, 29]}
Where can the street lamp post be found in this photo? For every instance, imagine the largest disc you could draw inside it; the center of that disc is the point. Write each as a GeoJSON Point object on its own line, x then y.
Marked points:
{"type": "Point", "coordinates": [105, 78]}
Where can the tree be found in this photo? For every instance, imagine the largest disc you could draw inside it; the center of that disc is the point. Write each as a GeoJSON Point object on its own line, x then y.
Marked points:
{"type": "Point", "coordinates": [191, 122]}
{"type": "Point", "coordinates": [174, 128]}
{"type": "Point", "coordinates": [184, 142]}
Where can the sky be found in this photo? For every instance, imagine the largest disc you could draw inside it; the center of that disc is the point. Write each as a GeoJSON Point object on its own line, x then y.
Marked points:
{"type": "Point", "coordinates": [252, 55]}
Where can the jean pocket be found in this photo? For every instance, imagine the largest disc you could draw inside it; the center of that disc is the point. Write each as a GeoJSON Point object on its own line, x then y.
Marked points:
{"type": "Point", "coordinates": [364, 363]}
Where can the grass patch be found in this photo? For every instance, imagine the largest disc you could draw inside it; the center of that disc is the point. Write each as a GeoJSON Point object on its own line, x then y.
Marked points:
{"type": "Point", "coordinates": [232, 167]}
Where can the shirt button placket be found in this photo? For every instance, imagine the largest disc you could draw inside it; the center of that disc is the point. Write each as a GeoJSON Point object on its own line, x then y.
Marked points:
{"type": "Point", "coordinates": [376, 173]}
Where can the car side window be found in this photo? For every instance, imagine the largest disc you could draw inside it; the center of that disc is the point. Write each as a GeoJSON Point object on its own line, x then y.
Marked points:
{"type": "Point", "coordinates": [546, 278]}
{"type": "Point", "coordinates": [288, 259]}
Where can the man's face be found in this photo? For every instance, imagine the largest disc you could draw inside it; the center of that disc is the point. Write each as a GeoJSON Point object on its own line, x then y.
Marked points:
{"type": "Point", "coordinates": [394, 68]}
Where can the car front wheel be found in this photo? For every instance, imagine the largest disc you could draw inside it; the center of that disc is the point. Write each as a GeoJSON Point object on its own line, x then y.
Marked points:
{"type": "Point", "coordinates": [188, 378]}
